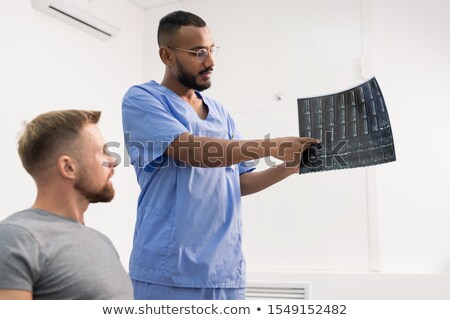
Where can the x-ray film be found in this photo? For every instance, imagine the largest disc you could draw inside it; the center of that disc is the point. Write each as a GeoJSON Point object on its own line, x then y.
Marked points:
{"type": "Point", "coordinates": [353, 127]}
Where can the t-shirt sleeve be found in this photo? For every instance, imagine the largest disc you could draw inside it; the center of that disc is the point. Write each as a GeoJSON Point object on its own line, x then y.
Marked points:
{"type": "Point", "coordinates": [149, 128]}
{"type": "Point", "coordinates": [19, 258]}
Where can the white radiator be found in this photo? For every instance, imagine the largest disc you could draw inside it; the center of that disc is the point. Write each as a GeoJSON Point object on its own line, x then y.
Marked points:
{"type": "Point", "coordinates": [286, 291]}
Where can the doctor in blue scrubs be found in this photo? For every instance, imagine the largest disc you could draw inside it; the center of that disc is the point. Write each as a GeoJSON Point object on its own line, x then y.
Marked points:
{"type": "Point", "coordinates": [192, 168]}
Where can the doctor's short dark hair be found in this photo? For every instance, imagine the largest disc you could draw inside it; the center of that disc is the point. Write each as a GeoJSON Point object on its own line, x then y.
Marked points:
{"type": "Point", "coordinates": [50, 135]}
{"type": "Point", "coordinates": [171, 23]}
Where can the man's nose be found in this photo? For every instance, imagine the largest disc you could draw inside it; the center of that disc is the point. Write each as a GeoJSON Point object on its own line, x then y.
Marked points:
{"type": "Point", "coordinates": [114, 162]}
{"type": "Point", "coordinates": [209, 61]}
{"type": "Point", "coordinates": [110, 162]}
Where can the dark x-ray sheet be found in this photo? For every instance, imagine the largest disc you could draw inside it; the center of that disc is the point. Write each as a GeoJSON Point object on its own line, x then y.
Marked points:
{"type": "Point", "coordinates": [353, 127]}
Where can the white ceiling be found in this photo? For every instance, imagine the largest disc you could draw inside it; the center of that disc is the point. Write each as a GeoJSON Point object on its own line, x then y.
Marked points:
{"type": "Point", "coordinates": [145, 4]}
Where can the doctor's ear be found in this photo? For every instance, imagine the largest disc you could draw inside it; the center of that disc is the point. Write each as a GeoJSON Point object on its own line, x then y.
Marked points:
{"type": "Point", "coordinates": [166, 55]}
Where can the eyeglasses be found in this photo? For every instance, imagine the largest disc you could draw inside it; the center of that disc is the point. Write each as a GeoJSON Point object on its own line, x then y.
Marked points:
{"type": "Point", "coordinates": [201, 53]}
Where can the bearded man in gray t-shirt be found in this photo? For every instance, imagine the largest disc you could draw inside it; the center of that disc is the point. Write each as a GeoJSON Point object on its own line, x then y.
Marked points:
{"type": "Point", "coordinates": [46, 251]}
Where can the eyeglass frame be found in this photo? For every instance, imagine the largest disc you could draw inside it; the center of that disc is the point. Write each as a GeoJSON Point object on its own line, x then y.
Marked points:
{"type": "Point", "coordinates": [209, 51]}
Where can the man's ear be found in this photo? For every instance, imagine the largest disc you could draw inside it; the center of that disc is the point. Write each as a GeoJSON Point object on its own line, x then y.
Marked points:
{"type": "Point", "coordinates": [166, 56]}
{"type": "Point", "coordinates": [67, 167]}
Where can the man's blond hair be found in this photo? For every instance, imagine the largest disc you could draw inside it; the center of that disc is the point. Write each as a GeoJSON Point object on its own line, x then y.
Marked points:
{"type": "Point", "coordinates": [50, 135]}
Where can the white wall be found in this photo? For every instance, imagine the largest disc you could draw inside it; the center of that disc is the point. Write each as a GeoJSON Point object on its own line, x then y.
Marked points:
{"type": "Point", "coordinates": [309, 224]}
{"type": "Point", "coordinates": [411, 56]}
{"type": "Point", "coordinates": [45, 65]}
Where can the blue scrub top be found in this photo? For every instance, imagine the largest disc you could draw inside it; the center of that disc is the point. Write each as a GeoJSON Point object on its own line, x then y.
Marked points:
{"type": "Point", "coordinates": [189, 224]}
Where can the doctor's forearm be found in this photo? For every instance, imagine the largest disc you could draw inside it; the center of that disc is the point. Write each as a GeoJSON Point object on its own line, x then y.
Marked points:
{"type": "Point", "coordinates": [212, 152]}
{"type": "Point", "coordinates": [256, 181]}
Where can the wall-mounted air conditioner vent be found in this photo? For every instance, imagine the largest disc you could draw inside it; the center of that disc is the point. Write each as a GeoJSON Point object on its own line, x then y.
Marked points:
{"type": "Point", "coordinates": [286, 291]}
{"type": "Point", "coordinates": [88, 15]}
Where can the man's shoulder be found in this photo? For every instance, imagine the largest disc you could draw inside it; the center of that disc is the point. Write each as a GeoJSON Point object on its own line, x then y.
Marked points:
{"type": "Point", "coordinates": [150, 87]}
{"type": "Point", "coordinates": [36, 222]}
{"type": "Point", "coordinates": [17, 226]}
{"type": "Point", "coordinates": [19, 217]}
{"type": "Point", "coordinates": [149, 93]}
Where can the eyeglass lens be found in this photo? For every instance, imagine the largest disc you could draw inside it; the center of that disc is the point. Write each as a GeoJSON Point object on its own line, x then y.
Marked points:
{"type": "Point", "coordinates": [203, 53]}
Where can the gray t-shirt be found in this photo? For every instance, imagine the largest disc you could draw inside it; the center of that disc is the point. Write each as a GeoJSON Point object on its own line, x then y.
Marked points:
{"type": "Point", "coordinates": [58, 258]}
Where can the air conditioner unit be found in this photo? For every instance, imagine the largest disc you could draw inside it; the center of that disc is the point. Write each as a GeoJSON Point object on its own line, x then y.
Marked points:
{"type": "Point", "coordinates": [87, 15]}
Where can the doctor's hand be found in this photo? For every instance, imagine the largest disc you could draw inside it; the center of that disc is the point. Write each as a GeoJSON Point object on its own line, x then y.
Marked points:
{"type": "Point", "coordinates": [290, 149]}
